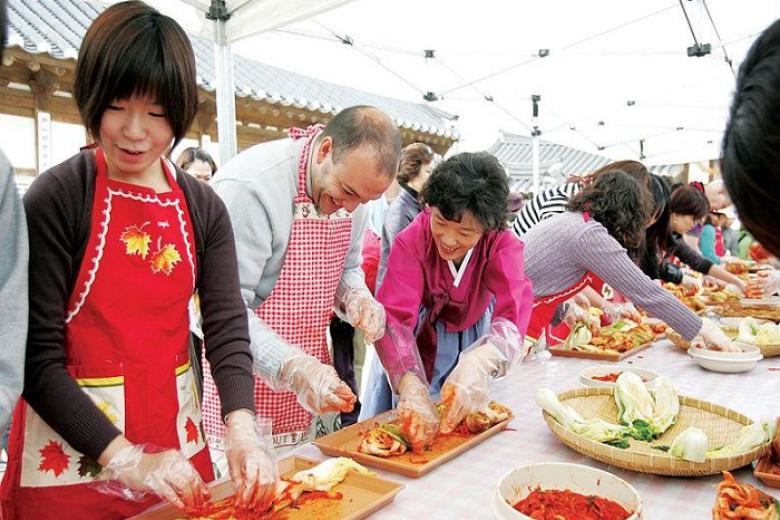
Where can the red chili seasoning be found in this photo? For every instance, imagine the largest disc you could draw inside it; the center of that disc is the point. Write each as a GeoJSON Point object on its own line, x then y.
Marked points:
{"type": "Point", "coordinates": [553, 504]}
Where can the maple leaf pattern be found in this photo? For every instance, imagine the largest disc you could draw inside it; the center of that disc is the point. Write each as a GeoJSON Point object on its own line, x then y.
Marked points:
{"type": "Point", "coordinates": [192, 430]}
{"type": "Point", "coordinates": [54, 459]}
{"type": "Point", "coordinates": [164, 259]}
{"type": "Point", "coordinates": [89, 467]}
{"type": "Point", "coordinates": [136, 240]}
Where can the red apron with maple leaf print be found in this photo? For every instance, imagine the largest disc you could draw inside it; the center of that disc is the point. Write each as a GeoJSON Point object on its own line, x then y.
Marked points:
{"type": "Point", "coordinates": [126, 338]}
{"type": "Point", "coordinates": [544, 308]}
{"type": "Point", "coordinates": [298, 308]}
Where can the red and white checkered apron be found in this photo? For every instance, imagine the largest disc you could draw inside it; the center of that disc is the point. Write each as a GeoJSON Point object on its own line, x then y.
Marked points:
{"type": "Point", "coordinates": [299, 306]}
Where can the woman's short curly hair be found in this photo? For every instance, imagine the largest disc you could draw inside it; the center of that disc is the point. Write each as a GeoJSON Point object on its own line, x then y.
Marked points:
{"type": "Point", "coordinates": [474, 182]}
{"type": "Point", "coordinates": [413, 157]}
{"type": "Point", "coordinates": [621, 204]}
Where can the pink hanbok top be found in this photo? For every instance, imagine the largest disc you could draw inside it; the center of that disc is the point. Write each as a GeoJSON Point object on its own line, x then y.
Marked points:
{"type": "Point", "coordinates": [417, 277]}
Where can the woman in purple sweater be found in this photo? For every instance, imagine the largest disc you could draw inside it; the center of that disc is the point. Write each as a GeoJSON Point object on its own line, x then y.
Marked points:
{"type": "Point", "coordinates": [590, 243]}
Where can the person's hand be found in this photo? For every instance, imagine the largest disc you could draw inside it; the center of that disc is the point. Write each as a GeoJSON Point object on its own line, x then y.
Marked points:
{"type": "Point", "coordinates": [133, 472]}
{"type": "Point", "coordinates": [576, 313]}
{"type": "Point", "coordinates": [715, 339]}
{"type": "Point", "coordinates": [766, 285]}
{"type": "Point", "coordinates": [317, 385]}
{"type": "Point", "coordinates": [467, 388]}
{"type": "Point", "coordinates": [365, 313]}
{"type": "Point", "coordinates": [625, 310]}
{"type": "Point", "coordinates": [714, 283]}
{"type": "Point", "coordinates": [417, 413]}
{"type": "Point", "coordinates": [251, 465]}
{"type": "Point", "coordinates": [692, 282]}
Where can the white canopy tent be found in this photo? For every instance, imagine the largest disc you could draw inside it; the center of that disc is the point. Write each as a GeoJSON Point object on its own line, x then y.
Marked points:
{"type": "Point", "coordinates": [225, 22]}
{"type": "Point", "coordinates": [648, 80]}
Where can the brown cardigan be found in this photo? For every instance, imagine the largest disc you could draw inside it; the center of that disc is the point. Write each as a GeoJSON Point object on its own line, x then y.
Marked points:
{"type": "Point", "coordinates": [58, 206]}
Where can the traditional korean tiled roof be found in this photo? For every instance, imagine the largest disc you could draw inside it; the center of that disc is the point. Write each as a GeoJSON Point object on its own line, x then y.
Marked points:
{"type": "Point", "coordinates": [56, 27]}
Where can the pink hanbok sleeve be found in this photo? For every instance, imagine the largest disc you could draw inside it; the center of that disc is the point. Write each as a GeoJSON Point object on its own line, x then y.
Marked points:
{"type": "Point", "coordinates": [505, 278]}
{"type": "Point", "coordinates": [401, 294]}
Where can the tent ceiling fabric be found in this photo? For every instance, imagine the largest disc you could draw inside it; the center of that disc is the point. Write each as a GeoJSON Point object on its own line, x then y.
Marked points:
{"type": "Point", "coordinates": [617, 72]}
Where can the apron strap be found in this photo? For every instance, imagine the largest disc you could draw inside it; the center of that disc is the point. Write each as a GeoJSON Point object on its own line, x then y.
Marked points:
{"type": "Point", "coordinates": [309, 133]}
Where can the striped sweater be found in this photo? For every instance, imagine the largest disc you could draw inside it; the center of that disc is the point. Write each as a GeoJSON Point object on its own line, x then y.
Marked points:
{"type": "Point", "coordinates": [560, 250]}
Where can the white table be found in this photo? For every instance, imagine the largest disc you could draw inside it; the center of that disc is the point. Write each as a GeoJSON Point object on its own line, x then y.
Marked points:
{"type": "Point", "coordinates": [464, 487]}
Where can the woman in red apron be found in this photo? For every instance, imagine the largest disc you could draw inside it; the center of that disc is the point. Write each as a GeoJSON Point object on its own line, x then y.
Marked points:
{"type": "Point", "coordinates": [111, 409]}
{"type": "Point", "coordinates": [587, 244]}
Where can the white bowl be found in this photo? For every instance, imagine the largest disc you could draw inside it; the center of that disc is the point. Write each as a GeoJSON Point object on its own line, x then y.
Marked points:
{"type": "Point", "coordinates": [519, 483]}
{"type": "Point", "coordinates": [722, 364]}
{"type": "Point", "coordinates": [601, 370]}
{"type": "Point", "coordinates": [748, 352]}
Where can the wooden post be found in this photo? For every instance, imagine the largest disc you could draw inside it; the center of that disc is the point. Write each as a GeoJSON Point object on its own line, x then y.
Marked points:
{"type": "Point", "coordinates": [43, 84]}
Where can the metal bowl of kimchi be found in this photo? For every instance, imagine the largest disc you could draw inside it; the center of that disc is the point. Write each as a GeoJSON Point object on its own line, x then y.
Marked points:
{"type": "Point", "coordinates": [570, 487]}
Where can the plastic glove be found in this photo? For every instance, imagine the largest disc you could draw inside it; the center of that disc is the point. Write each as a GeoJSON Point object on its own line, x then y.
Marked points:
{"type": "Point", "coordinates": [417, 413]}
{"type": "Point", "coordinates": [766, 285]}
{"type": "Point", "coordinates": [576, 313]}
{"type": "Point", "coordinates": [692, 282]}
{"type": "Point", "coordinates": [362, 311]}
{"type": "Point", "coordinates": [625, 310]}
{"type": "Point", "coordinates": [317, 385]}
{"type": "Point", "coordinates": [252, 469]}
{"type": "Point", "coordinates": [714, 338]}
{"type": "Point", "coordinates": [466, 389]}
{"type": "Point", "coordinates": [397, 351]}
{"type": "Point", "coordinates": [134, 472]}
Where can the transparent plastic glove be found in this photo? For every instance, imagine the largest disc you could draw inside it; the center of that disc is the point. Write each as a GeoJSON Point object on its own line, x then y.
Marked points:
{"type": "Point", "coordinates": [692, 282]}
{"type": "Point", "coordinates": [467, 388]}
{"type": "Point", "coordinates": [625, 310]}
{"type": "Point", "coordinates": [398, 353]}
{"type": "Point", "coordinates": [137, 471]}
{"type": "Point", "coordinates": [317, 385]}
{"type": "Point", "coordinates": [714, 338]}
{"type": "Point", "coordinates": [417, 413]}
{"type": "Point", "coordinates": [576, 313]}
{"type": "Point", "coordinates": [713, 283]}
{"type": "Point", "coordinates": [766, 285]}
{"type": "Point", "coordinates": [252, 467]}
{"type": "Point", "coordinates": [362, 311]}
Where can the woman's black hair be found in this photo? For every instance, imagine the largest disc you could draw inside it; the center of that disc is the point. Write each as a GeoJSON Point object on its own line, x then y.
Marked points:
{"type": "Point", "coordinates": [132, 49]}
{"type": "Point", "coordinates": [474, 182]}
{"type": "Point", "coordinates": [620, 204]}
{"type": "Point", "coordinates": [657, 235]}
{"type": "Point", "coordinates": [750, 160]}
{"type": "Point", "coordinates": [690, 200]}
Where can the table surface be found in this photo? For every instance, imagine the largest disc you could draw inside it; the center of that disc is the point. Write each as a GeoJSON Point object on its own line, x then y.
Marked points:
{"type": "Point", "coordinates": [464, 487]}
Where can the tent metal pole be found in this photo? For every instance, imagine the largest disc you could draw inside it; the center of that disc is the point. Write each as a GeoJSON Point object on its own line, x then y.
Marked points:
{"type": "Point", "coordinates": [226, 100]}
{"type": "Point", "coordinates": [535, 142]}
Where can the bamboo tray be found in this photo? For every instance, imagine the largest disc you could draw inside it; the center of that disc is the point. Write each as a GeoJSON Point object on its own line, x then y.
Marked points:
{"type": "Point", "coordinates": [362, 496]}
{"type": "Point", "coordinates": [345, 442]}
{"type": "Point", "coordinates": [740, 310]}
{"type": "Point", "coordinates": [678, 341]}
{"type": "Point", "coordinates": [562, 352]}
{"type": "Point", "coordinates": [720, 424]}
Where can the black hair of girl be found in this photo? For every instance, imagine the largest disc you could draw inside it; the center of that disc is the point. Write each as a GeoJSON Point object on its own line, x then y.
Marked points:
{"type": "Point", "coordinates": [750, 161]}
{"type": "Point", "coordinates": [474, 182]}
{"type": "Point", "coordinates": [689, 200]}
{"type": "Point", "coordinates": [192, 154]}
{"type": "Point", "coordinates": [132, 49]}
{"type": "Point", "coordinates": [621, 204]}
{"type": "Point", "coordinates": [657, 235]}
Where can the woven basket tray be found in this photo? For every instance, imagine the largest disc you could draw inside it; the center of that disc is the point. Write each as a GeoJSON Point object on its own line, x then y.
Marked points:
{"type": "Point", "coordinates": [678, 341]}
{"type": "Point", "coordinates": [720, 424]}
